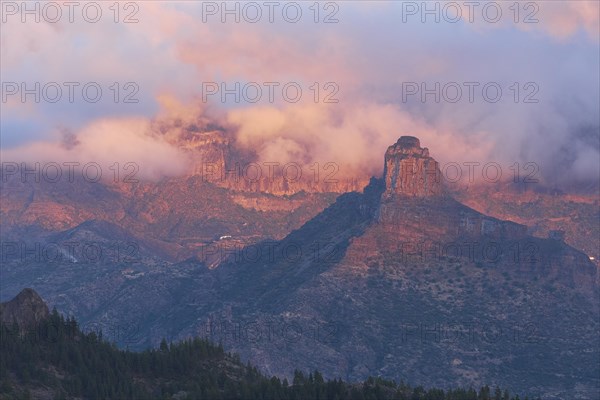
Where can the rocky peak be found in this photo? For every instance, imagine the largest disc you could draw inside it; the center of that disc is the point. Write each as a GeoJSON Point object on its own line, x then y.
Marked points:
{"type": "Point", "coordinates": [27, 309]}
{"type": "Point", "coordinates": [410, 171]}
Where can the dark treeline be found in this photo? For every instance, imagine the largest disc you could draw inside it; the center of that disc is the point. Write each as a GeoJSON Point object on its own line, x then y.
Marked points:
{"type": "Point", "coordinates": [57, 360]}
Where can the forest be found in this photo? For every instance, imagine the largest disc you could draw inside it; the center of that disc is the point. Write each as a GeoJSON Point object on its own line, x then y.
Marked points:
{"type": "Point", "coordinates": [57, 360]}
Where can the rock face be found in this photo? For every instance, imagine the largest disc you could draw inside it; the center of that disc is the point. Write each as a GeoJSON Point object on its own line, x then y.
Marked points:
{"type": "Point", "coordinates": [27, 309]}
{"type": "Point", "coordinates": [216, 159]}
{"type": "Point", "coordinates": [410, 171]}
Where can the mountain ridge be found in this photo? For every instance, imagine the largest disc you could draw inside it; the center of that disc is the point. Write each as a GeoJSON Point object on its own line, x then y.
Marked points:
{"type": "Point", "coordinates": [351, 277]}
{"type": "Point", "coordinates": [35, 364]}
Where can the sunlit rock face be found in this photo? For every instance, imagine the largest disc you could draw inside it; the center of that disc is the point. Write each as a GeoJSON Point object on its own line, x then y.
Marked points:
{"type": "Point", "coordinates": [215, 159]}
{"type": "Point", "coordinates": [410, 171]}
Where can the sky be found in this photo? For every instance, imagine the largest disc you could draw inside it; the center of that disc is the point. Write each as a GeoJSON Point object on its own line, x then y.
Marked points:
{"type": "Point", "coordinates": [478, 82]}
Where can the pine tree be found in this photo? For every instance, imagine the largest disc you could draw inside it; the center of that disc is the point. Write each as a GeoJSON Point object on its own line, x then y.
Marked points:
{"type": "Point", "coordinates": [163, 346]}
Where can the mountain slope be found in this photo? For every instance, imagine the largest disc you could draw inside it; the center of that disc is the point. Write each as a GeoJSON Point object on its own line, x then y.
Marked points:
{"type": "Point", "coordinates": [53, 359]}
{"type": "Point", "coordinates": [403, 278]}
{"type": "Point", "coordinates": [400, 281]}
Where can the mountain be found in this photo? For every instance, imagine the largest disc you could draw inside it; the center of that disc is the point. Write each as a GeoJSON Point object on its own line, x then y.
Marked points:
{"type": "Point", "coordinates": [399, 281]}
{"type": "Point", "coordinates": [26, 310]}
{"type": "Point", "coordinates": [51, 358]}
{"type": "Point", "coordinates": [229, 191]}
{"type": "Point", "coordinates": [225, 192]}
{"type": "Point", "coordinates": [571, 217]}
{"type": "Point", "coordinates": [218, 159]}
{"type": "Point", "coordinates": [385, 281]}
{"type": "Point", "coordinates": [173, 218]}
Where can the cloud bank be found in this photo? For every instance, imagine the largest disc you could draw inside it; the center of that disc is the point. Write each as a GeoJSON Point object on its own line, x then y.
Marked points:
{"type": "Point", "coordinates": [375, 53]}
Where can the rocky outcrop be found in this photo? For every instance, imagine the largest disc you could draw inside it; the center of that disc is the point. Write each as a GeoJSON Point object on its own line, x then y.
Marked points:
{"type": "Point", "coordinates": [27, 309]}
{"type": "Point", "coordinates": [276, 178]}
{"type": "Point", "coordinates": [215, 158]}
{"type": "Point", "coordinates": [415, 198]}
{"type": "Point", "coordinates": [207, 148]}
{"type": "Point", "coordinates": [410, 171]}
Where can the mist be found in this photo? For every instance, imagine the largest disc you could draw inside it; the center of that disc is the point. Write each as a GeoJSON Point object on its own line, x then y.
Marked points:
{"type": "Point", "coordinates": [548, 113]}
